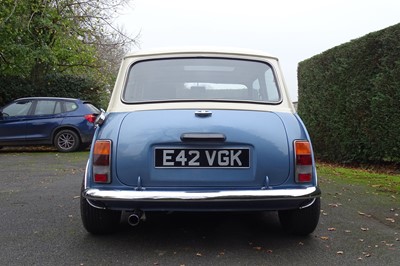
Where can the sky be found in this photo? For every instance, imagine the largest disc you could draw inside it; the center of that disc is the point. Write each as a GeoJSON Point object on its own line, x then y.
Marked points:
{"type": "Point", "coordinates": [291, 30]}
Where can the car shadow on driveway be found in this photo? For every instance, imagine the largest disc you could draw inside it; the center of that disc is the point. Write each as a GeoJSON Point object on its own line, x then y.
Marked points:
{"type": "Point", "coordinates": [204, 224]}
{"type": "Point", "coordinates": [204, 238]}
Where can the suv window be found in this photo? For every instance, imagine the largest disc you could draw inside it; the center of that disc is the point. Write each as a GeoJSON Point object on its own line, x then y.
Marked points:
{"type": "Point", "coordinates": [201, 79]}
{"type": "Point", "coordinates": [70, 106]}
{"type": "Point", "coordinates": [47, 107]}
{"type": "Point", "coordinates": [92, 108]}
{"type": "Point", "coordinates": [19, 108]}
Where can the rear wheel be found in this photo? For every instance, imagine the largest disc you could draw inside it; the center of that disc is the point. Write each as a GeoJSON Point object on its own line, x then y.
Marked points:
{"type": "Point", "coordinates": [301, 222]}
{"type": "Point", "coordinates": [98, 221]}
{"type": "Point", "coordinates": [67, 140]}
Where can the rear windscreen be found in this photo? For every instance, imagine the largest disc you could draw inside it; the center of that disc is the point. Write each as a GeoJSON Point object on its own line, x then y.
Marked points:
{"type": "Point", "coordinates": [206, 79]}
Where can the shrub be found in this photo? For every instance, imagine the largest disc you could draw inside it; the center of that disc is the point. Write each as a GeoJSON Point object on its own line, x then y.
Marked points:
{"type": "Point", "coordinates": [349, 97]}
{"type": "Point", "coordinates": [12, 87]}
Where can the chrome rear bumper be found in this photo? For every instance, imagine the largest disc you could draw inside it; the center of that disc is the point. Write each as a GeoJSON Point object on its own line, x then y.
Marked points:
{"type": "Point", "coordinates": [200, 196]}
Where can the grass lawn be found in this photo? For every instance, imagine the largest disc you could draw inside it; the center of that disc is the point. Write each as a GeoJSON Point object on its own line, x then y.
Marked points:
{"type": "Point", "coordinates": [383, 181]}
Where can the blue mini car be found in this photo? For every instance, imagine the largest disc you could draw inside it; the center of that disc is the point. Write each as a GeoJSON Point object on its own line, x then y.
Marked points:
{"type": "Point", "coordinates": [200, 130]}
{"type": "Point", "coordinates": [66, 123]}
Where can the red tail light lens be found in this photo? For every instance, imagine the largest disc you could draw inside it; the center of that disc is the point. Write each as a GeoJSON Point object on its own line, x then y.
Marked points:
{"type": "Point", "coordinates": [304, 163]}
{"type": "Point", "coordinates": [101, 178]}
{"type": "Point", "coordinates": [91, 118]}
{"type": "Point", "coordinates": [101, 161]}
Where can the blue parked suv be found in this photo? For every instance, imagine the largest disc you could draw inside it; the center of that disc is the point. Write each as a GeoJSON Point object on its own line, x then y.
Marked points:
{"type": "Point", "coordinates": [66, 123]}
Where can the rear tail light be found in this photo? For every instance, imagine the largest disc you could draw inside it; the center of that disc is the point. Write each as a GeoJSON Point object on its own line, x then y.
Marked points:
{"type": "Point", "coordinates": [91, 118]}
{"type": "Point", "coordinates": [303, 161]}
{"type": "Point", "coordinates": [102, 161]}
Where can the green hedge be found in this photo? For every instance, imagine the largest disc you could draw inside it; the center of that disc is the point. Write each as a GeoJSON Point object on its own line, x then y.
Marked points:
{"type": "Point", "coordinates": [13, 87]}
{"type": "Point", "coordinates": [349, 98]}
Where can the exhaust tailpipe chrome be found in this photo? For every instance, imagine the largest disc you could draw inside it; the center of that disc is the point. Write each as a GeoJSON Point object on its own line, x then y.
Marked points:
{"type": "Point", "coordinates": [134, 218]}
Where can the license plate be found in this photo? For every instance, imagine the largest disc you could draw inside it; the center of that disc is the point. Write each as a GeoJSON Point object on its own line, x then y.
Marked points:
{"type": "Point", "coordinates": [202, 158]}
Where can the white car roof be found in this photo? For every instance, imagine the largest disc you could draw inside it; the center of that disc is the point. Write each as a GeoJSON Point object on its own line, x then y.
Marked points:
{"type": "Point", "coordinates": [200, 50]}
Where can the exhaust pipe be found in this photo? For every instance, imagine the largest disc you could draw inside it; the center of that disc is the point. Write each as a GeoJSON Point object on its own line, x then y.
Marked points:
{"type": "Point", "coordinates": [134, 218]}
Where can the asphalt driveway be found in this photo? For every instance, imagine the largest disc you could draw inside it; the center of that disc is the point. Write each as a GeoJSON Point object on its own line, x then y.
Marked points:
{"type": "Point", "coordinates": [40, 225]}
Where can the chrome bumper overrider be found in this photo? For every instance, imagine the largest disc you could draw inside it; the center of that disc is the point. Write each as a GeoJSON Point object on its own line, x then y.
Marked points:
{"type": "Point", "coordinates": [177, 196]}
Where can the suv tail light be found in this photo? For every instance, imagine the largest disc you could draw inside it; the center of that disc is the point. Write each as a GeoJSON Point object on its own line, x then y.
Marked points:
{"type": "Point", "coordinates": [303, 161]}
{"type": "Point", "coordinates": [102, 161]}
{"type": "Point", "coordinates": [91, 118]}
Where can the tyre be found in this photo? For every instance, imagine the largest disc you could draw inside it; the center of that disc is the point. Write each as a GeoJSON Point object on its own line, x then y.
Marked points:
{"type": "Point", "coordinates": [301, 222]}
{"type": "Point", "coordinates": [67, 141]}
{"type": "Point", "coordinates": [98, 221]}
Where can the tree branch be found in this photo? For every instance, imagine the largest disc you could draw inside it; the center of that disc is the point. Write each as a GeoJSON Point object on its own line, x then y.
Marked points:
{"type": "Point", "coordinates": [11, 13]}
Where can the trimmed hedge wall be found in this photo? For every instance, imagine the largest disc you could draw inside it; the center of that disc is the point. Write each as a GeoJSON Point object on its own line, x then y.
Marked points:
{"type": "Point", "coordinates": [13, 87]}
{"type": "Point", "coordinates": [349, 98]}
